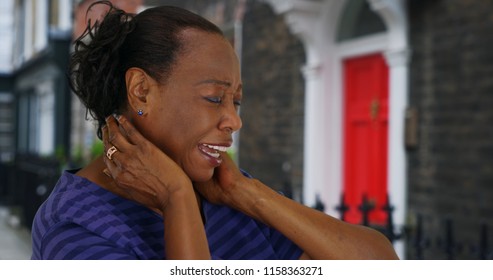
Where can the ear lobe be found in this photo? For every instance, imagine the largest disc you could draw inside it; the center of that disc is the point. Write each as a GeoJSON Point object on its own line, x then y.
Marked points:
{"type": "Point", "coordinates": [137, 82]}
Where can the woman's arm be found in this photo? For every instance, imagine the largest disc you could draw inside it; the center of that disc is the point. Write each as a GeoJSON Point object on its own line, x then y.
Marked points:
{"type": "Point", "coordinates": [320, 236]}
{"type": "Point", "coordinates": [144, 174]}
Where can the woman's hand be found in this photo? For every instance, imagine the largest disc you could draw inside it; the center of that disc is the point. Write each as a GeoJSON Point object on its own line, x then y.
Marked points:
{"type": "Point", "coordinates": [220, 188]}
{"type": "Point", "coordinates": [229, 186]}
{"type": "Point", "coordinates": [148, 176]}
{"type": "Point", "coordinates": [144, 173]}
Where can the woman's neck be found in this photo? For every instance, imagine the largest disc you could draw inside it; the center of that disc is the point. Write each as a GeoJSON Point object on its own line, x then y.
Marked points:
{"type": "Point", "coordinates": [97, 172]}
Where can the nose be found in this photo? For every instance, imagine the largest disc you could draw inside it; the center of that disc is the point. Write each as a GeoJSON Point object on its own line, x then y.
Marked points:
{"type": "Point", "coordinates": [231, 120]}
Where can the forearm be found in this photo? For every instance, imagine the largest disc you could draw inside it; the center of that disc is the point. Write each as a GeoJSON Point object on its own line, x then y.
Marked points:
{"type": "Point", "coordinates": [319, 235]}
{"type": "Point", "coordinates": [184, 233]}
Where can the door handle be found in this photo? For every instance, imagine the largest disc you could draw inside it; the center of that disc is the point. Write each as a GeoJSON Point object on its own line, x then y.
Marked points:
{"type": "Point", "coordinates": [374, 109]}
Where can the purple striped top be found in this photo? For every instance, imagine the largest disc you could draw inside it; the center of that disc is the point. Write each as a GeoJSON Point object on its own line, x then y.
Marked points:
{"type": "Point", "coordinates": [81, 220]}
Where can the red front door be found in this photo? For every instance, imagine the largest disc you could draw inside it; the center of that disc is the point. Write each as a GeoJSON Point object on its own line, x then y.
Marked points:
{"type": "Point", "coordinates": [365, 136]}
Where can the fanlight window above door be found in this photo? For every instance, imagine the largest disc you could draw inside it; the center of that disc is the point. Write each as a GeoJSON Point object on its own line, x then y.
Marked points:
{"type": "Point", "coordinates": [358, 20]}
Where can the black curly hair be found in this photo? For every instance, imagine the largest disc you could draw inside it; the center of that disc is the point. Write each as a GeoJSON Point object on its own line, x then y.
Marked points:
{"type": "Point", "coordinates": [107, 49]}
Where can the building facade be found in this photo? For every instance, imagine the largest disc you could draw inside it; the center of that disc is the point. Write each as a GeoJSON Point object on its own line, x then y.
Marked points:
{"type": "Point", "coordinates": [34, 103]}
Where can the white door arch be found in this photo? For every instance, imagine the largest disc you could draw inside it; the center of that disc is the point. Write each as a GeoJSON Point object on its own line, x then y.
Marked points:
{"type": "Point", "coordinates": [315, 22]}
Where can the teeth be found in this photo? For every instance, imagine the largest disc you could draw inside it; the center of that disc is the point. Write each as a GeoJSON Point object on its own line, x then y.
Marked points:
{"type": "Point", "coordinates": [217, 148]}
{"type": "Point", "coordinates": [215, 155]}
{"type": "Point", "coordinates": [213, 151]}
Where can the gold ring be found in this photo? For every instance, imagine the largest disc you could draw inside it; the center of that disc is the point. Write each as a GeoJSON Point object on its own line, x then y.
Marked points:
{"type": "Point", "coordinates": [111, 151]}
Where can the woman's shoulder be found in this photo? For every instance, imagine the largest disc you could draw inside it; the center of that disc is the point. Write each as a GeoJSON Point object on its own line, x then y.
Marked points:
{"type": "Point", "coordinates": [77, 200]}
{"type": "Point", "coordinates": [79, 212]}
{"type": "Point", "coordinates": [74, 198]}
{"type": "Point", "coordinates": [72, 188]}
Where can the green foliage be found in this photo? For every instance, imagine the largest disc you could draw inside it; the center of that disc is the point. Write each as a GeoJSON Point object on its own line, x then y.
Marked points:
{"type": "Point", "coordinates": [60, 154]}
{"type": "Point", "coordinates": [233, 154]}
{"type": "Point", "coordinates": [97, 149]}
{"type": "Point", "coordinates": [82, 155]}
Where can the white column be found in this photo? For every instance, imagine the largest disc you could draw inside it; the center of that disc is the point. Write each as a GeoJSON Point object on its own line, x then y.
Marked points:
{"type": "Point", "coordinates": [6, 35]}
{"type": "Point", "coordinates": [41, 25]}
{"type": "Point", "coordinates": [313, 162]}
{"type": "Point", "coordinates": [65, 15]}
{"type": "Point", "coordinates": [28, 30]}
{"type": "Point", "coordinates": [46, 118]}
{"type": "Point", "coordinates": [397, 175]}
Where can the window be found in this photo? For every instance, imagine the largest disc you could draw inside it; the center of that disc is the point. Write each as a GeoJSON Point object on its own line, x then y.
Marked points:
{"type": "Point", "coordinates": [36, 121]}
{"type": "Point", "coordinates": [358, 20]}
{"type": "Point", "coordinates": [6, 127]}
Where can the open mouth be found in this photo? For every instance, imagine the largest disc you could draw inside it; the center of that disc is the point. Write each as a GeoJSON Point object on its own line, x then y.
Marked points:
{"type": "Point", "coordinates": [212, 150]}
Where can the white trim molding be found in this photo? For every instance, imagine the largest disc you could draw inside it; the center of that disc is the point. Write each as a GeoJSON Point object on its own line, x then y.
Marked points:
{"type": "Point", "coordinates": [302, 18]}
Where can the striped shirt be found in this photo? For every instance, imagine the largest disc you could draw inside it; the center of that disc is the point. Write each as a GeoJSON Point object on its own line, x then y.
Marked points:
{"type": "Point", "coordinates": [81, 220]}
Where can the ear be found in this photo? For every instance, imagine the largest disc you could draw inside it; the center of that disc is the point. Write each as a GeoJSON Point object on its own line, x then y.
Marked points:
{"type": "Point", "coordinates": [138, 84]}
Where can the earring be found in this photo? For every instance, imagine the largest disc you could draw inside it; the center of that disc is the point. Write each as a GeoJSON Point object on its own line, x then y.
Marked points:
{"type": "Point", "coordinates": [140, 112]}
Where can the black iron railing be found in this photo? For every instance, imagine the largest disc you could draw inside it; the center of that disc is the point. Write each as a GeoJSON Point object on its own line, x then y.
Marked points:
{"type": "Point", "coordinates": [420, 241]}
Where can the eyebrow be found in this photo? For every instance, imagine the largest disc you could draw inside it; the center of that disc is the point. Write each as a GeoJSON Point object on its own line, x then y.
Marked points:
{"type": "Point", "coordinates": [214, 81]}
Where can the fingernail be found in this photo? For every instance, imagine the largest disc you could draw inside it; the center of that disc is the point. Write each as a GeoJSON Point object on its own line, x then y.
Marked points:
{"type": "Point", "coordinates": [116, 116]}
{"type": "Point", "coordinates": [106, 172]}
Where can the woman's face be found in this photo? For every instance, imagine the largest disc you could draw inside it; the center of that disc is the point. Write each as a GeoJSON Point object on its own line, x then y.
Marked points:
{"type": "Point", "coordinates": [194, 114]}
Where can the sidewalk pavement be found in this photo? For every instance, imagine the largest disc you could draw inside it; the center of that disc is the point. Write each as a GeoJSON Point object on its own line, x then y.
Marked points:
{"type": "Point", "coordinates": [15, 240]}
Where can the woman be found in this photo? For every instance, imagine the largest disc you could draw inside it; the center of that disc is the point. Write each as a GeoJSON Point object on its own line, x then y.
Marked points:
{"type": "Point", "coordinates": [165, 87]}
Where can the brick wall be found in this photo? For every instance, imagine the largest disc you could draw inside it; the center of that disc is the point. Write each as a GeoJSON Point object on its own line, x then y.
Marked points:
{"type": "Point", "coordinates": [451, 170]}
{"type": "Point", "coordinates": [271, 140]}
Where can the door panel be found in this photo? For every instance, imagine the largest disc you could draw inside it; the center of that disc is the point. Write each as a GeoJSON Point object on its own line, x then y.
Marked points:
{"type": "Point", "coordinates": [365, 136]}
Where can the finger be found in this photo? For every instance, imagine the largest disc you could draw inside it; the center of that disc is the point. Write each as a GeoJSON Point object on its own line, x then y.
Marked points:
{"type": "Point", "coordinates": [227, 163]}
{"type": "Point", "coordinates": [107, 172]}
{"type": "Point", "coordinates": [106, 141]}
{"type": "Point", "coordinates": [112, 169]}
{"type": "Point", "coordinates": [115, 136]}
{"type": "Point", "coordinates": [133, 135]}
{"type": "Point", "coordinates": [107, 145]}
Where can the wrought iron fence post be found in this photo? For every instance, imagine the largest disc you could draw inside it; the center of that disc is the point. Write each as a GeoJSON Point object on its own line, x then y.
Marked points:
{"type": "Point", "coordinates": [342, 208]}
{"type": "Point", "coordinates": [419, 241]}
{"type": "Point", "coordinates": [365, 208]}
{"type": "Point", "coordinates": [450, 246]}
{"type": "Point", "coordinates": [319, 205]}
{"type": "Point", "coordinates": [389, 228]}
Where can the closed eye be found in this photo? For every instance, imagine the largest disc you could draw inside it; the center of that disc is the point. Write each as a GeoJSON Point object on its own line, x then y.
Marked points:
{"type": "Point", "coordinates": [216, 100]}
{"type": "Point", "coordinates": [219, 100]}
